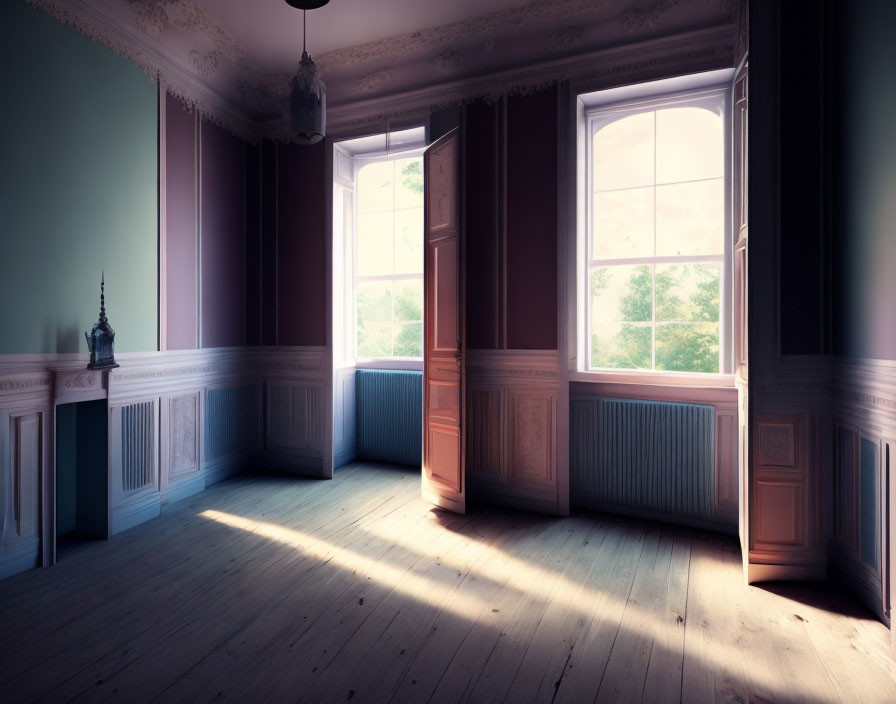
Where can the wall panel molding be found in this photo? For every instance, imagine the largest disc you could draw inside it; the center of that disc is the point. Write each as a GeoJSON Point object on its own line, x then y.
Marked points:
{"type": "Point", "coordinates": [159, 432]}
{"type": "Point", "coordinates": [511, 410]}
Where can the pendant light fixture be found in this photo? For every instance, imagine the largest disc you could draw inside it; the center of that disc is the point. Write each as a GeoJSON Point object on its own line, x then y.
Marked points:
{"type": "Point", "coordinates": [308, 96]}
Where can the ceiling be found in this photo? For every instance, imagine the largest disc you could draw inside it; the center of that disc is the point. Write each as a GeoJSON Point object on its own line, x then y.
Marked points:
{"type": "Point", "coordinates": [246, 50]}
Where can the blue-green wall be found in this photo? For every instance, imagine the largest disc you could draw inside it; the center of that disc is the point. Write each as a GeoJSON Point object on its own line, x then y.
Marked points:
{"type": "Point", "coordinates": [78, 188]}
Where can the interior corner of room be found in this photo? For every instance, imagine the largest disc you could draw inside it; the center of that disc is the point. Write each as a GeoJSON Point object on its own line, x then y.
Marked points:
{"type": "Point", "coordinates": [556, 273]}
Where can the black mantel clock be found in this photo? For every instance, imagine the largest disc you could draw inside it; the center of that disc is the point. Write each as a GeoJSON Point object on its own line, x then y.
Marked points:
{"type": "Point", "coordinates": [101, 339]}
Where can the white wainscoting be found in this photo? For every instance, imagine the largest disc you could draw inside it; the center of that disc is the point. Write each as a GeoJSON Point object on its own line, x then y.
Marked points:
{"type": "Point", "coordinates": [512, 430]}
{"type": "Point", "coordinates": [863, 412]}
{"type": "Point", "coordinates": [177, 423]}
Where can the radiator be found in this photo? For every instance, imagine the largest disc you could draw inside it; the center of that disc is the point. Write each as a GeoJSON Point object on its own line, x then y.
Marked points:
{"type": "Point", "coordinates": [389, 416]}
{"type": "Point", "coordinates": [645, 455]}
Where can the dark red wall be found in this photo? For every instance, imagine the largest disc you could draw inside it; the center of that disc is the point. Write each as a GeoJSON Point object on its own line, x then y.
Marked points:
{"type": "Point", "coordinates": [511, 222]}
{"type": "Point", "coordinates": [180, 222]}
{"type": "Point", "coordinates": [484, 205]}
{"type": "Point", "coordinates": [302, 201]}
{"type": "Point", "coordinates": [532, 221]}
{"type": "Point", "coordinates": [253, 245]}
{"type": "Point", "coordinates": [223, 239]}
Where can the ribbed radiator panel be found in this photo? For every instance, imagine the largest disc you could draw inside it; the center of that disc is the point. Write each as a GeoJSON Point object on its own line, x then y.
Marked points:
{"type": "Point", "coordinates": [645, 455]}
{"type": "Point", "coordinates": [389, 420]}
{"type": "Point", "coordinates": [138, 446]}
{"type": "Point", "coordinates": [231, 421]}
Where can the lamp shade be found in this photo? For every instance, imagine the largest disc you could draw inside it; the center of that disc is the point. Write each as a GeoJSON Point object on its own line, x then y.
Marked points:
{"type": "Point", "coordinates": [308, 103]}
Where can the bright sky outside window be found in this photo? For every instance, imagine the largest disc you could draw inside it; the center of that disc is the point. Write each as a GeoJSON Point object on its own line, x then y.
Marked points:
{"type": "Point", "coordinates": [657, 237]}
{"type": "Point", "coordinates": [389, 259]}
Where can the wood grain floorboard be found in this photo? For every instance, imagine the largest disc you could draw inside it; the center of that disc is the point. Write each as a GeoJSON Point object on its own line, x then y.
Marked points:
{"type": "Point", "coordinates": [273, 588]}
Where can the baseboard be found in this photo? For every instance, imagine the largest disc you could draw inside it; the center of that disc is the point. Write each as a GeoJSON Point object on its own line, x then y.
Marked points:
{"type": "Point", "coordinates": [135, 513]}
{"type": "Point", "coordinates": [859, 579]}
{"type": "Point", "coordinates": [343, 455]}
{"type": "Point", "coordinates": [20, 559]}
{"type": "Point", "coordinates": [647, 515]}
{"type": "Point", "coordinates": [292, 464]}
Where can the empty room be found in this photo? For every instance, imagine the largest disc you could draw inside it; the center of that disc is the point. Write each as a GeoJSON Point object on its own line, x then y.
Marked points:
{"type": "Point", "coordinates": [472, 351]}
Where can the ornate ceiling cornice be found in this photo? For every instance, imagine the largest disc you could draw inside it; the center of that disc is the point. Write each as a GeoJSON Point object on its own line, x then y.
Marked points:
{"type": "Point", "coordinates": [190, 77]}
{"type": "Point", "coordinates": [482, 25]}
{"type": "Point", "coordinates": [690, 52]}
{"type": "Point", "coordinates": [181, 83]}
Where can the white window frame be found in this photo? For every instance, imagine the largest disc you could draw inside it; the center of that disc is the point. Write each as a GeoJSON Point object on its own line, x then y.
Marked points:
{"type": "Point", "coordinates": [352, 278]}
{"type": "Point", "coordinates": [597, 110]}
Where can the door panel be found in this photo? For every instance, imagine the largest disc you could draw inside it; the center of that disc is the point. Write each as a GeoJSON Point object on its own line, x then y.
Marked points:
{"type": "Point", "coordinates": [443, 367]}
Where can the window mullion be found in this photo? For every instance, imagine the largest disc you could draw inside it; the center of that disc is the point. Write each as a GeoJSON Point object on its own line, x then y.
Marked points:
{"type": "Point", "coordinates": [653, 266]}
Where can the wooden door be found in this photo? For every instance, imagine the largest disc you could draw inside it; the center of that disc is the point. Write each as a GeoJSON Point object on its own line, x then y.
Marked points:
{"type": "Point", "coordinates": [443, 354]}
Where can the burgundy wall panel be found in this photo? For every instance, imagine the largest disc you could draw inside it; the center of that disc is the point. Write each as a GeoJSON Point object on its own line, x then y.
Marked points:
{"type": "Point", "coordinates": [483, 205]}
{"type": "Point", "coordinates": [180, 223]}
{"type": "Point", "coordinates": [253, 245]}
{"type": "Point", "coordinates": [302, 202]}
{"type": "Point", "coordinates": [268, 282]}
{"type": "Point", "coordinates": [223, 241]}
{"type": "Point", "coordinates": [532, 221]}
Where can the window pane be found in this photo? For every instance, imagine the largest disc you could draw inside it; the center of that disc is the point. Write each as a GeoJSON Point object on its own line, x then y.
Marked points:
{"type": "Point", "coordinates": [375, 244]}
{"type": "Point", "coordinates": [621, 315]}
{"type": "Point", "coordinates": [687, 347]}
{"type": "Point", "coordinates": [409, 183]}
{"type": "Point", "coordinates": [374, 311]}
{"type": "Point", "coordinates": [689, 145]}
{"type": "Point", "coordinates": [375, 191]}
{"type": "Point", "coordinates": [409, 241]}
{"type": "Point", "coordinates": [409, 301]}
{"type": "Point", "coordinates": [621, 346]}
{"type": "Point", "coordinates": [690, 218]}
{"type": "Point", "coordinates": [621, 293]}
{"type": "Point", "coordinates": [687, 292]}
{"type": "Point", "coordinates": [408, 339]}
{"type": "Point", "coordinates": [623, 224]}
{"type": "Point", "coordinates": [623, 153]}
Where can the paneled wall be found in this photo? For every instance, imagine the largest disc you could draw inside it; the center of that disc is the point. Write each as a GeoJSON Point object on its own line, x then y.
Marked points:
{"type": "Point", "coordinates": [512, 409]}
{"type": "Point", "coordinates": [207, 235]}
{"type": "Point", "coordinates": [177, 422]}
{"type": "Point", "coordinates": [513, 371]}
{"type": "Point", "coordinates": [789, 480]}
{"type": "Point", "coordinates": [863, 248]}
{"type": "Point", "coordinates": [511, 220]}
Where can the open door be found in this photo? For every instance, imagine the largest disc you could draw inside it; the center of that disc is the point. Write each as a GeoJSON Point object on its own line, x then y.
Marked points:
{"type": "Point", "coordinates": [443, 327]}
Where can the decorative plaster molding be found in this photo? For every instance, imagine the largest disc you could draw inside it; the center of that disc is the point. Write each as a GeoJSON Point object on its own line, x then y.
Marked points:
{"type": "Point", "coordinates": [448, 61]}
{"type": "Point", "coordinates": [176, 78]}
{"type": "Point", "coordinates": [566, 38]}
{"type": "Point", "coordinates": [25, 384]}
{"type": "Point", "coordinates": [373, 80]}
{"type": "Point", "coordinates": [205, 64]}
{"type": "Point", "coordinates": [155, 16]}
{"type": "Point", "coordinates": [83, 380]}
{"type": "Point", "coordinates": [404, 44]}
{"type": "Point", "coordinates": [637, 20]}
{"type": "Point", "coordinates": [700, 50]}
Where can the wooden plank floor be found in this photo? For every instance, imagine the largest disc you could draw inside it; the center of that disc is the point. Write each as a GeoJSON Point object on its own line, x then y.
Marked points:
{"type": "Point", "coordinates": [272, 588]}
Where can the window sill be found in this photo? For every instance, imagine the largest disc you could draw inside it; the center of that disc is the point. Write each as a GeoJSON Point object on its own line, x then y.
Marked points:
{"type": "Point", "coordinates": [666, 379]}
{"type": "Point", "coordinates": [399, 364]}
